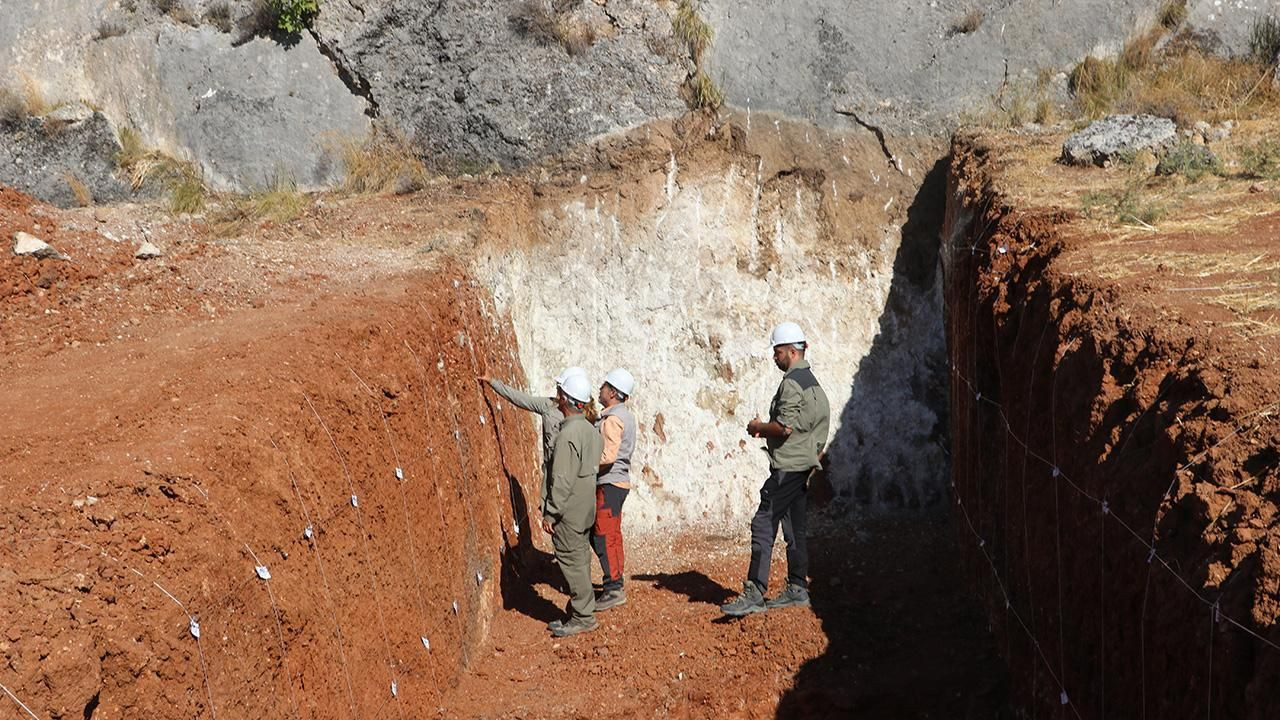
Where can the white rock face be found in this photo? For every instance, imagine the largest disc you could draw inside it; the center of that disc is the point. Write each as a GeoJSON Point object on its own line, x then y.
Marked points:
{"type": "Point", "coordinates": [682, 289]}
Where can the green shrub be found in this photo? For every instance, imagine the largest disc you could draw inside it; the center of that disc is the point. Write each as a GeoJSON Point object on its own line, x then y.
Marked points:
{"type": "Point", "coordinates": [1128, 206]}
{"type": "Point", "coordinates": [294, 16]}
{"type": "Point", "coordinates": [1261, 160]}
{"type": "Point", "coordinates": [1190, 160]}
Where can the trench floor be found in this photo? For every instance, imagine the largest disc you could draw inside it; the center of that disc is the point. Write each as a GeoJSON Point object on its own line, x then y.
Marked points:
{"type": "Point", "coordinates": [893, 633]}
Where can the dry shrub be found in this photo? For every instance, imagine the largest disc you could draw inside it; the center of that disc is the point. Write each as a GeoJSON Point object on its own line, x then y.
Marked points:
{"type": "Point", "coordinates": [1172, 14]}
{"type": "Point", "coordinates": [382, 162]}
{"type": "Point", "coordinates": [13, 109]}
{"type": "Point", "coordinates": [1182, 82]}
{"type": "Point", "coordinates": [553, 22]}
{"type": "Point", "coordinates": [970, 23]}
{"type": "Point", "coordinates": [84, 197]}
{"type": "Point", "coordinates": [219, 16]}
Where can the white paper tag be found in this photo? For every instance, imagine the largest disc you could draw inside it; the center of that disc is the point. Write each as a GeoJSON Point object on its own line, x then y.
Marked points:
{"type": "Point", "coordinates": [263, 572]}
{"type": "Point", "coordinates": [355, 501]}
{"type": "Point", "coordinates": [194, 627]}
{"type": "Point", "coordinates": [307, 532]}
{"type": "Point", "coordinates": [399, 474]}
{"type": "Point", "coordinates": [426, 643]}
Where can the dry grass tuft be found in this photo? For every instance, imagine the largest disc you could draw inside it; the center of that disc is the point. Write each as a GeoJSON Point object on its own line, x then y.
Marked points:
{"type": "Point", "coordinates": [1182, 82]}
{"type": "Point", "coordinates": [1261, 160]}
{"type": "Point", "coordinates": [702, 93]}
{"type": "Point", "coordinates": [553, 22]}
{"type": "Point", "coordinates": [141, 165]}
{"type": "Point", "coordinates": [691, 29]}
{"type": "Point", "coordinates": [219, 16]}
{"type": "Point", "coordinates": [969, 23]}
{"type": "Point", "coordinates": [33, 99]}
{"type": "Point", "coordinates": [13, 109]}
{"type": "Point", "coordinates": [1172, 14]}
{"type": "Point", "coordinates": [1264, 40]}
{"type": "Point", "coordinates": [280, 202]}
{"type": "Point", "coordinates": [382, 162]}
{"type": "Point", "coordinates": [84, 197]}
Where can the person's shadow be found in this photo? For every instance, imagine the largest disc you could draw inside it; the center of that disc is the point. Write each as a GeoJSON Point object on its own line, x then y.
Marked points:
{"type": "Point", "coordinates": [695, 585]}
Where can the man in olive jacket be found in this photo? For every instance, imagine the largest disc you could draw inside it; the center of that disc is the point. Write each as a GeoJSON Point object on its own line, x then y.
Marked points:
{"type": "Point", "coordinates": [547, 408]}
{"type": "Point", "coordinates": [795, 436]}
{"type": "Point", "coordinates": [570, 509]}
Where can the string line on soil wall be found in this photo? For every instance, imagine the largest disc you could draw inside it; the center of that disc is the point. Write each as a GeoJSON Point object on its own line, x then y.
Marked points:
{"type": "Point", "coordinates": [193, 621]}
{"type": "Point", "coordinates": [422, 372]}
{"type": "Point", "coordinates": [1056, 474]}
{"type": "Point", "coordinates": [403, 476]}
{"type": "Point", "coordinates": [368, 559]}
{"type": "Point", "coordinates": [21, 704]}
{"type": "Point", "coordinates": [261, 570]}
{"type": "Point", "coordinates": [310, 533]}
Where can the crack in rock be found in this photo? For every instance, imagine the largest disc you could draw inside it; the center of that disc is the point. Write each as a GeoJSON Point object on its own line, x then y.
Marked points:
{"type": "Point", "coordinates": [894, 160]}
{"type": "Point", "coordinates": [354, 81]}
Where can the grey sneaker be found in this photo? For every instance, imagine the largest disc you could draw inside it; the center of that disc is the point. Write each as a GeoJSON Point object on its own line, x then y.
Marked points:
{"type": "Point", "coordinates": [791, 596]}
{"type": "Point", "coordinates": [611, 599]}
{"type": "Point", "coordinates": [555, 625]}
{"type": "Point", "coordinates": [750, 601]}
{"type": "Point", "coordinates": [575, 626]}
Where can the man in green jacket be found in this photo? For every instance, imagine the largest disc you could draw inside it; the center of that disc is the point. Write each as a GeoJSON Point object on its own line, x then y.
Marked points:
{"type": "Point", "coordinates": [547, 407]}
{"type": "Point", "coordinates": [795, 436]}
{"type": "Point", "coordinates": [570, 510]}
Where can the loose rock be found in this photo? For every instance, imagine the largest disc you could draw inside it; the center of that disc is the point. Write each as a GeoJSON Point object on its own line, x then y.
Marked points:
{"type": "Point", "coordinates": [28, 244]}
{"type": "Point", "coordinates": [1118, 135]}
{"type": "Point", "coordinates": [147, 251]}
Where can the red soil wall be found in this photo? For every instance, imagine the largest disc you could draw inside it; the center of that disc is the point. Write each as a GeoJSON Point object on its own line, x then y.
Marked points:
{"type": "Point", "coordinates": [1089, 428]}
{"type": "Point", "coordinates": [144, 480]}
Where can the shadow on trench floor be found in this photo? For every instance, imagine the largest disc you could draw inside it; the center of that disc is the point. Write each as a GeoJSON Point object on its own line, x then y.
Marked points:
{"type": "Point", "coordinates": [906, 636]}
{"type": "Point", "coordinates": [894, 633]}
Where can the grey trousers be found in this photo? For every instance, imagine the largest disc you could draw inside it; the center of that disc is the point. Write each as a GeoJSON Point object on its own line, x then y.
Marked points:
{"type": "Point", "coordinates": [573, 555]}
{"type": "Point", "coordinates": [782, 502]}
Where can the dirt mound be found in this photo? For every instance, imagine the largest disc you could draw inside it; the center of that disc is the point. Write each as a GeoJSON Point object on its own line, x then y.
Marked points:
{"type": "Point", "coordinates": [259, 511]}
{"type": "Point", "coordinates": [1116, 445]}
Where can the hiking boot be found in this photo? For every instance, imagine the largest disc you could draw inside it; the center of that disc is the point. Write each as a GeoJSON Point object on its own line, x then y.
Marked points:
{"type": "Point", "coordinates": [750, 601]}
{"type": "Point", "coordinates": [611, 599]}
{"type": "Point", "coordinates": [791, 596]}
{"type": "Point", "coordinates": [575, 626]}
{"type": "Point", "coordinates": [555, 625]}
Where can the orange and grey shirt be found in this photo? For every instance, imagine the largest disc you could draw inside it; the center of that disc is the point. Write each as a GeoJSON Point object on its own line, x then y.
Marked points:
{"type": "Point", "coordinates": [617, 427]}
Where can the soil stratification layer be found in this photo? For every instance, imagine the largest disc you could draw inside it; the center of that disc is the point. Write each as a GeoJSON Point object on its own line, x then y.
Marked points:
{"type": "Point", "coordinates": [244, 485]}
{"type": "Point", "coordinates": [1115, 437]}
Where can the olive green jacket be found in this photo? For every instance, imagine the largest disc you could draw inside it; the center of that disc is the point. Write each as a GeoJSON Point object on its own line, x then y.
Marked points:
{"type": "Point", "coordinates": [799, 404]}
{"type": "Point", "coordinates": [574, 463]}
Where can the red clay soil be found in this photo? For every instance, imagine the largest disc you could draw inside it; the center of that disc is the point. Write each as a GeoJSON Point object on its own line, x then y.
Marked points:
{"type": "Point", "coordinates": [150, 466]}
{"type": "Point", "coordinates": [1116, 450]}
{"type": "Point", "coordinates": [171, 425]}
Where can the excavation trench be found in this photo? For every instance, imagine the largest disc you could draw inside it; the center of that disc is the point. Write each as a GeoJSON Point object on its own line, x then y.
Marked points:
{"type": "Point", "coordinates": [279, 445]}
{"type": "Point", "coordinates": [1113, 448]}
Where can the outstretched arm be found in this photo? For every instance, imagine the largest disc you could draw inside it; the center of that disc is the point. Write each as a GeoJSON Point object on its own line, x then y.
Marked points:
{"type": "Point", "coordinates": [522, 400]}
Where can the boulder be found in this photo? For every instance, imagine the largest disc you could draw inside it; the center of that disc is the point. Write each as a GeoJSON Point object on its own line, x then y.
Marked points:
{"type": "Point", "coordinates": [1117, 136]}
{"type": "Point", "coordinates": [66, 158]}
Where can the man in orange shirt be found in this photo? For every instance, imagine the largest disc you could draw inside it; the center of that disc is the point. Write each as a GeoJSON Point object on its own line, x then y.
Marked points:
{"type": "Point", "coordinates": [617, 426]}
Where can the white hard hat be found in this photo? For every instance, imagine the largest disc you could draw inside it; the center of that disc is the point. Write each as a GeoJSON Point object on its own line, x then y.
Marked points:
{"type": "Point", "coordinates": [621, 381]}
{"type": "Point", "coordinates": [569, 372]}
{"type": "Point", "coordinates": [577, 387]}
{"type": "Point", "coordinates": [787, 333]}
